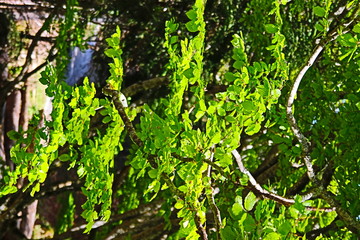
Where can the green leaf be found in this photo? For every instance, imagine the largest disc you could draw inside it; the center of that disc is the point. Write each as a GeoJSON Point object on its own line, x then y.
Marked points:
{"type": "Point", "coordinates": [253, 128]}
{"type": "Point", "coordinates": [199, 115]}
{"type": "Point", "coordinates": [249, 223]}
{"type": "Point", "coordinates": [191, 14]}
{"type": "Point", "coordinates": [179, 204]}
{"type": "Point", "coordinates": [64, 157]}
{"type": "Point", "coordinates": [250, 201]}
{"type": "Point", "coordinates": [356, 28]}
{"type": "Point", "coordinates": [81, 171]}
{"type": "Point", "coordinates": [230, 77]}
{"type": "Point", "coordinates": [106, 119]}
{"type": "Point", "coordinates": [174, 39]}
{"type": "Point", "coordinates": [236, 209]}
{"type": "Point", "coordinates": [285, 228]}
{"type": "Point", "coordinates": [271, 28]}
{"type": "Point", "coordinates": [319, 27]}
{"type": "Point", "coordinates": [230, 119]}
{"type": "Point", "coordinates": [14, 135]}
{"type": "Point", "coordinates": [358, 105]}
{"type": "Point", "coordinates": [238, 64]}
{"type": "Point", "coordinates": [44, 80]}
{"type": "Point", "coordinates": [153, 173]}
{"type": "Point", "coordinates": [8, 190]}
{"type": "Point", "coordinates": [228, 233]}
{"type": "Point", "coordinates": [188, 73]}
{"type": "Point", "coordinates": [319, 11]}
{"type": "Point", "coordinates": [191, 26]}
{"type": "Point", "coordinates": [272, 236]}
{"type": "Point", "coordinates": [248, 106]}
{"type": "Point", "coordinates": [221, 111]}
{"type": "Point", "coordinates": [172, 26]}
{"type": "Point", "coordinates": [257, 66]}
{"type": "Point", "coordinates": [216, 138]}
{"type": "Point", "coordinates": [111, 53]}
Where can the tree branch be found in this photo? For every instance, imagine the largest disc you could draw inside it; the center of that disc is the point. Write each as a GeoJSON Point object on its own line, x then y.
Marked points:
{"type": "Point", "coordinates": [32, 46]}
{"type": "Point", "coordinates": [256, 186]}
{"type": "Point", "coordinates": [304, 142]}
{"type": "Point", "coordinates": [144, 86]}
{"type": "Point", "coordinates": [264, 193]}
{"type": "Point", "coordinates": [211, 200]}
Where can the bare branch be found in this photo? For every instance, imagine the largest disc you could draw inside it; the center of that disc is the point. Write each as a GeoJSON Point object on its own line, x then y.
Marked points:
{"type": "Point", "coordinates": [32, 46]}
{"type": "Point", "coordinates": [211, 200]}
{"type": "Point", "coordinates": [257, 187]}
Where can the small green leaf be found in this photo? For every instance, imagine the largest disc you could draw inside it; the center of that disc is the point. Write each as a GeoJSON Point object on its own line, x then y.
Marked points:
{"type": "Point", "coordinates": [153, 173]}
{"type": "Point", "coordinates": [358, 105]}
{"type": "Point", "coordinates": [174, 39]}
{"type": "Point", "coordinates": [8, 190]}
{"type": "Point", "coordinates": [64, 157]}
{"type": "Point", "coordinates": [248, 106]}
{"type": "Point", "coordinates": [249, 223]}
{"type": "Point", "coordinates": [236, 209]}
{"type": "Point", "coordinates": [285, 228]}
{"type": "Point", "coordinates": [230, 77]}
{"type": "Point", "coordinates": [191, 26]}
{"type": "Point", "coordinates": [81, 171]}
{"type": "Point", "coordinates": [216, 138]}
{"type": "Point", "coordinates": [228, 233]}
{"type": "Point", "coordinates": [273, 236]}
{"type": "Point", "coordinates": [221, 111]}
{"type": "Point", "coordinates": [172, 26]}
{"type": "Point", "coordinates": [183, 188]}
{"type": "Point", "coordinates": [188, 73]}
{"type": "Point", "coordinates": [191, 14]}
{"type": "Point", "coordinates": [230, 119]}
{"type": "Point", "coordinates": [257, 66]}
{"type": "Point", "coordinates": [250, 201]}
{"type": "Point", "coordinates": [319, 11]}
{"type": "Point", "coordinates": [238, 64]}
{"type": "Point", "coordinates": [356, 28]}
{"type": "Point", "coordinates": [106, 119]}
{"type": "Point", "coordinates": [179, 204]}
{"type": "Point", "coordinates": [13, 135]}
{"type": "Point", "coordinates": [271, 28]}
{"type": "Point", "coordinates": [319, 27]}
{"type": "Point", "coordinates": [44, 80]}
{"type": "Point", "coordinates": [111, 52]}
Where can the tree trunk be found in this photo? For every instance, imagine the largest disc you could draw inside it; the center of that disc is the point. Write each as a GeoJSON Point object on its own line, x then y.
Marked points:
{"type": "Point", "coordinates": [14, 116]}
{"type": "Point", "coordinates": [4, 59]}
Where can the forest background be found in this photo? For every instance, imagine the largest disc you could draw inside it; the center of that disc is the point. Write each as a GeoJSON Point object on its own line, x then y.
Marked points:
{"type": "Point", "coordinates": [179, 119]}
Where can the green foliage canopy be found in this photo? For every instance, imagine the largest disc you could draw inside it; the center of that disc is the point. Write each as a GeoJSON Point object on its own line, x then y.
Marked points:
{"type": "Point", "coordinates": [289, 108]}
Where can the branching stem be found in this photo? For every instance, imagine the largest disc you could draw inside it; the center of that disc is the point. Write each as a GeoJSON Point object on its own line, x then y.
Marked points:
{"type": "Point", "coordinates": [304, 142]}
{"type": "Point", "coordinates": [115, 96]}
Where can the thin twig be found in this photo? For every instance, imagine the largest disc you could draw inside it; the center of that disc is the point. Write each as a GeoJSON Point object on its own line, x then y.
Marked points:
{"type": "Point", "coordinates": [211, 200]}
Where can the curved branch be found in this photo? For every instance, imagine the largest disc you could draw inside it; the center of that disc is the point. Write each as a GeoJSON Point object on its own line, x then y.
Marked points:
{"type": "Point", "coordinates": [352, 224]}
{"type": "Point", "coordinates": [256, 186]}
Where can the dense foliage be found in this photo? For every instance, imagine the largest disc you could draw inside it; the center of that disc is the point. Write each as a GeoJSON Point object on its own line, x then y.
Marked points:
{"type": "Point", "coordinates": [254, 138]}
